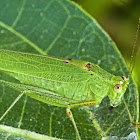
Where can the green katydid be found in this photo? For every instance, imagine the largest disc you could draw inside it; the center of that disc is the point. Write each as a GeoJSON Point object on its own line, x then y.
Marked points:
{"type": "Point", "coordinates": [44, 78]}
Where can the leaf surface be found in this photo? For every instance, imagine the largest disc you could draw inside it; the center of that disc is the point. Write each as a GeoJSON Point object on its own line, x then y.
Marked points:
{"type": "Point", "coordinates": [61, 28]}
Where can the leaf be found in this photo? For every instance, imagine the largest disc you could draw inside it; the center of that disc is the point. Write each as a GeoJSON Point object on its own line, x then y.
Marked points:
{"type": "Point", "coordinates": [61, 28]}
{"type": "Point", "coordinates": [16, 133]}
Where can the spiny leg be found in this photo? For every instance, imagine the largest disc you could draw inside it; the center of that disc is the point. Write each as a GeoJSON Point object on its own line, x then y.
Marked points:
{"type": "Point", "coordinates": [70, 115]}
{"type": "Point", "coordinates": [15, 101]}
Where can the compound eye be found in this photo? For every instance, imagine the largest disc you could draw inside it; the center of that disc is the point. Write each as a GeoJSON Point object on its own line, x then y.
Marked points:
{"type": "Point", "coordinates": [118, 88]}
{"type": "Point", "coordinates": [124, 78]}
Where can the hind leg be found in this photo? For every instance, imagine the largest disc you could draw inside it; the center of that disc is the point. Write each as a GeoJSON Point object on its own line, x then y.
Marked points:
{"type": "Point", "coordinates": [11, 106]}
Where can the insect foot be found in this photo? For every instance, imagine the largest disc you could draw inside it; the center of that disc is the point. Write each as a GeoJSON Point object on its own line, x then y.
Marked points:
{"type": "Point", "coordinates": [136, 124]}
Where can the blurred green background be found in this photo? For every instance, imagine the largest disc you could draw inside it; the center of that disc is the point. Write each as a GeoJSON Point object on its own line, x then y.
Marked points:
{"type": "Point", "coordinates": [119, 18]}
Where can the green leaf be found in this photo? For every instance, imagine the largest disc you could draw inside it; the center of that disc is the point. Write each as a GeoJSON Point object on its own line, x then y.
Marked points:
{"type": "Point", "coordinates": [17, 133]}
{"type": "Point", "coordinates": [61, 28]}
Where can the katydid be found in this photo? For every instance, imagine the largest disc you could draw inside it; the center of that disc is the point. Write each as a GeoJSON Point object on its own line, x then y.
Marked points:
{"type": "Point", "coordinates": [45, 78]}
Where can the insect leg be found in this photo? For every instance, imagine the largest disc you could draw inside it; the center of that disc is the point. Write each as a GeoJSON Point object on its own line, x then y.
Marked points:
{"type": "Point", "coordinates": [130, 117]}
{"type": "Point", "coordinates": [70, 115]}
{"type": "Point", "coordinates": [84, 104]}
{"type": "Point", "coordinates": [15, 101]}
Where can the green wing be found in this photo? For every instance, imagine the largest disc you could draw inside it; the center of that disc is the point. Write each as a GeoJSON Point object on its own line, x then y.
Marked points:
{"type": "Point", "coordinates": [40, 66]}
{"type": "Point", "coordinates": [48, 73]}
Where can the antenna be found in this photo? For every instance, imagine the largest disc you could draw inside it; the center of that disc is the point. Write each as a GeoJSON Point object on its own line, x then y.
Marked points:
{"type": "Point", "coordinates": [132, 64]}
{"type": "Point", "coordinates": [132, 61]}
